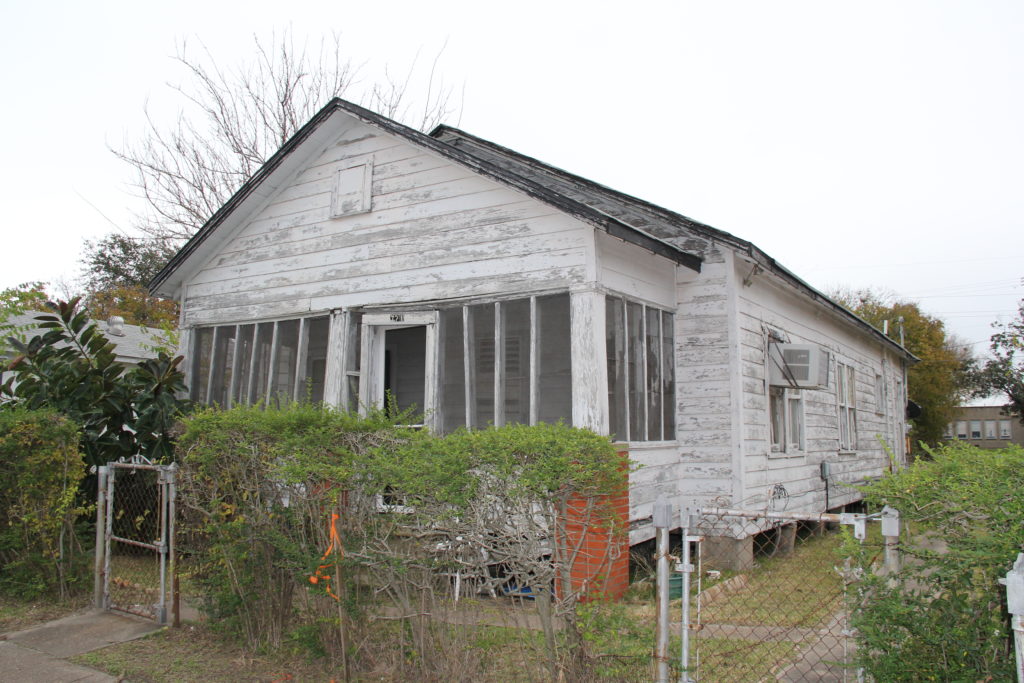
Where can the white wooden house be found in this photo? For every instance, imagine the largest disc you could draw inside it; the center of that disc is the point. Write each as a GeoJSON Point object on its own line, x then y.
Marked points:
{"type": "Point", "coordinates": [485, 287]}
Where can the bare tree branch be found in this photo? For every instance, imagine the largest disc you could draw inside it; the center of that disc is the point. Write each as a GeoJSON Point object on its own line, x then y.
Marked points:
{"type": "Point", "coordinates": [233, 119]}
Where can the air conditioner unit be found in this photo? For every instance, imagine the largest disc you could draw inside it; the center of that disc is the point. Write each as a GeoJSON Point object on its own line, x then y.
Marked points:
{"type": "Point", "coordinates": [798, 366]}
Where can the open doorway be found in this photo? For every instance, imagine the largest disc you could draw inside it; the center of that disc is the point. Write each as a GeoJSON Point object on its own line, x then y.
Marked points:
{"type": "Point", "coordinates": [399, 357]}
{"type": "Point", "coordinates": [405, 369]}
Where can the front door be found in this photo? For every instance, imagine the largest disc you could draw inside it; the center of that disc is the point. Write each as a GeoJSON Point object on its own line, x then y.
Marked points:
{"type": "Point", "coordinates": [399, 354]}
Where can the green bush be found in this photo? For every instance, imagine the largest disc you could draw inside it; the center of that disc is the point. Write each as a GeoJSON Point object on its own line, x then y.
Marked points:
{"type": "Point", "coordinates": [71, 367]}
{"type": "Point", "coordinates": [259, 488]}
{"type": "Point", "coordinates": [943, 617]}
{"type": "Point", "coordinates": [40, 471]}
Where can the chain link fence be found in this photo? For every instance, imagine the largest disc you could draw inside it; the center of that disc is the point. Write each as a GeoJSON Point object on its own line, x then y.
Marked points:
{"type": "Point", "coordinates": [135, 515]}
{"type": "Point", "coordinates": [771, 594]}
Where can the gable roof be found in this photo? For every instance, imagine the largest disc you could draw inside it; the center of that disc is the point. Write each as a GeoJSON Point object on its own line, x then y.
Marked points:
{"type": "Point", "coordinates": [669, 226]}
{"type": "Point", "coordinates": [275, 167]}
{"type": "Point", "coordinates": [633, 220]}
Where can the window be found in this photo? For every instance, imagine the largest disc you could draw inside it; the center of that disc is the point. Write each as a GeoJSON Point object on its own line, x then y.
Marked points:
{"type": "Point", "coordinates": [961, 430]}
{"type": "Point", "coordinates": [990, 429]}
{"type": "Point", "coordinates": [948, 433]}
{"type": "Point", "coordinates": [1004, 429]}
{"type": "Point", "coordinates": [270, 362]}
{"type": "Point", "coordinates": [786, 407]}
{"type": "Point", "coordinates": [846, 395]}
{"type": "Point", "coordinates": [879, 394]}
{"type": "Point", "coordinates": [506, 362]}
{"type": "Point", "coordinates": [975, 429]}
{"type": "Point", "coordinates": [641, 371]}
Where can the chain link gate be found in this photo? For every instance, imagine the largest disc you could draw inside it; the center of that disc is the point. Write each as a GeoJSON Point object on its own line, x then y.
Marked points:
{"type": "Point", "coordinates": [135, 537]}
{"type": "Point", "coordinates": [773, 592]}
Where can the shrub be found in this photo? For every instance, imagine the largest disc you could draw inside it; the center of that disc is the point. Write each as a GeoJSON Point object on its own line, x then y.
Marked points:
{"type": "Point", "coordinates": [943, 616]}
{"type": "Point", "coordinates": [71, 367]}
{"type": "Point", "coordinates": [40, 470]}
{"type": "Point", "coordinates": [261, 487]}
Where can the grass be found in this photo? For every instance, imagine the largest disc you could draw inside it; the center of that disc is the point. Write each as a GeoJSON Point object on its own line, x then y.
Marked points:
{"type": "Point", "coordinates": [796, 591]}
{"type": "Point", "coordinates": [800, 591]}
{"type": "Point", "coordinates": [17, 614]}
{"type": "Point", "coordinates": [196, 653]}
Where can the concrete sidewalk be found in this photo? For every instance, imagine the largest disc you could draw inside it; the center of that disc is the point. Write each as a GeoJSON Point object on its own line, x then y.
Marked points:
{"type": "Point", "coordinates": [37, 655]}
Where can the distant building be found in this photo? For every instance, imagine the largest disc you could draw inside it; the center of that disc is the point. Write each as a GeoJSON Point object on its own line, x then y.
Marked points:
{"type": "Point", "coordinates": [985, 427]}
{"type": "Point", "coordinates": [132, 343]}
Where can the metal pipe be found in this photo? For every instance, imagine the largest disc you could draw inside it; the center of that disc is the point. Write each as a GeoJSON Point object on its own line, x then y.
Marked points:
{"type": "Point", "coordinates": [764, 514]}
{"type": "Point", "coordinates": [99, 564]}
{"type": "Point", "coordinates": [662, 521]}
{"type": "Point", "coordinates": [172, 494]}
{"type": "Point", "coordinates": [108, 532]}
{"type": "Point", "coordinates": [684, 624]}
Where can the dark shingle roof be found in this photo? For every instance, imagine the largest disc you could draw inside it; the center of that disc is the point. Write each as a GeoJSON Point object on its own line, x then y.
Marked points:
{"type": "Point", "coordinates": [633, 220]}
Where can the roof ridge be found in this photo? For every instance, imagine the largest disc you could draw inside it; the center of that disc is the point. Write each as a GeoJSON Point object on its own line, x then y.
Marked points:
{"type": "Point", "coordinates": [641, 204]}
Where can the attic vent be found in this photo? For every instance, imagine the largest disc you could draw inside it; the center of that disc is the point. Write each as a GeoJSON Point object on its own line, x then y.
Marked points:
{"type": "Point", "coordinates": [800, 366]}
{"type": "Point", "coordinates": [352, 190]}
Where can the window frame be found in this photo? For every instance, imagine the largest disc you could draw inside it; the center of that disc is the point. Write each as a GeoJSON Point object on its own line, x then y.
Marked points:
{"type": "Point", "coordinates": [205, 376]}
{"type": "Point", "coordinates": [781, 445]}
{"type": "Point", "coordinates": [846, 406]}
{"type": "Point", "coordinates": [500, 335]}
{"type": "Point", "coordinates": [636, 369]}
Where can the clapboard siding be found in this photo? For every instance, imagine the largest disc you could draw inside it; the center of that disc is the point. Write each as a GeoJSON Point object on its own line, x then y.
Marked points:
{"type": "Point", "coordinates": [703, 384]}
{"type": "Point", "coordinates": [435, 231]}
{"type": "Point", "coordinates": [439, 231]}
{"type": "Point", "coordinates": [765, 304]}
{"type": "Point", "coordinates": [386, 256]}
{"type": "Point", "coordinates": [627, 269]}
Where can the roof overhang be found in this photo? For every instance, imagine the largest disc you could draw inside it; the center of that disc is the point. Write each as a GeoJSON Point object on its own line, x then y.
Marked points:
{"type": "Point", "coordinates": [324, 128]}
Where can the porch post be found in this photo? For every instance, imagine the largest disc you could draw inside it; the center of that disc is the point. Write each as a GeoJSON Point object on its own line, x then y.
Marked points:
{"type": "Point", "coordinates": [589, 366]}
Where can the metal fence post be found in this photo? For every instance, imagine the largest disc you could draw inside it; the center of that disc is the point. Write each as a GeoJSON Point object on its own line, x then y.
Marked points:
{"type": "Point", "coordinates": [686, 568]}
{"type": "Point", "coordinates": [891, 533]}
{"type": "Point", "coordinates": [99, 563]}
{"type": "Point", "coordinates": [662, 522]}
{"type": "Point", "coordinates": [1014, 583]}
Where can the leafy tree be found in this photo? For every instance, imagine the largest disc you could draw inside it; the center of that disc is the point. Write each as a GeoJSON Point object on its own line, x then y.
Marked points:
{"type": "Point", "coordinates": [119, 260]}
{"type": "Point", "coordinates": [117, 269]}
{"type": "Point", "coordinates": [942, 379]}
{"type": "Point", "coordinates": [135, 305]}
{"type": "Point", "coordinates": [71, 368]}
{"type": "Point", "coordinates": [234, 119]}
{"type": "Point", "coordinates": [1004, 374]}
{"type": "Point", "coordinates": [26, 297]}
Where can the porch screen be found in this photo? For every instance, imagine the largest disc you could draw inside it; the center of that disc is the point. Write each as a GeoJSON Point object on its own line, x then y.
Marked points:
{"type": "Point", "coordinates": [506, 362]}
{"type": "Point", "coordinates": [270, 362]}
{"type": "Point", "coordinates": [641, 371]}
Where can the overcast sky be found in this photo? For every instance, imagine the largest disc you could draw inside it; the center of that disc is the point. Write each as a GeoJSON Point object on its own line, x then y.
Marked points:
{"type": "Point", "coordinates": [868, 143]}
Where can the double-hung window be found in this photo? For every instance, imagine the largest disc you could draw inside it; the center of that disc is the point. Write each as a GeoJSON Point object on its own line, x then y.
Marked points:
{"type": "Point", "coordinates": [846, 399]}
{"type": "Point", "coordinates": [641, 371]}
{"type": "Point", "coordinates": [786, 407]}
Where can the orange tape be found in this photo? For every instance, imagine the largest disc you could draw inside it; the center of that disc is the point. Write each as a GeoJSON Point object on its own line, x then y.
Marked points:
{"type": "Point", "coordinates": [335, 542]}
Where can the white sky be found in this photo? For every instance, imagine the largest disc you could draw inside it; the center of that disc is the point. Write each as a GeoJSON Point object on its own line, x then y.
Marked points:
{"type": "Point", "coordinates": [871, 143]}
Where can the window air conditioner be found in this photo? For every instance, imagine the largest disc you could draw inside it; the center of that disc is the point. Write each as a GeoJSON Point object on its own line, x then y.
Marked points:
{"type": "Point", "coordinates": [798, 366]}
